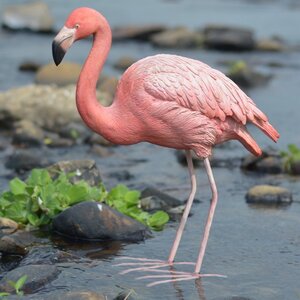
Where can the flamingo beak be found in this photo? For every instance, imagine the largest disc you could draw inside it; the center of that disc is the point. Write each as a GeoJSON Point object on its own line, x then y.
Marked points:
{"type": "Point", "coordinates": [61, 43]}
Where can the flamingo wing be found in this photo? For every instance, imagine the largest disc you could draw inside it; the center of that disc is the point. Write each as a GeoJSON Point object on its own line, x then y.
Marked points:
{"type": "Point", "coordinates": [195, 85]}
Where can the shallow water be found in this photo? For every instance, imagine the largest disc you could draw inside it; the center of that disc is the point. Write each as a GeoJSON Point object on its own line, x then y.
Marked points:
{"type": "Point", "coordinates": [258, 248]}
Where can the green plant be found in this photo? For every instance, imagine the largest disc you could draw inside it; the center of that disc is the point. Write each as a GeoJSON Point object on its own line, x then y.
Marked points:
{"type": "Point", "coordinates": [37, 200]}
{"type": "Point", "coordinates": [291, 156]}
{"type": "Point", "coordinates": [18, 285]}
{"type": "Point", "coordinates": [127, 202]}
{"type": "Point", "coordinates": [4, 294]}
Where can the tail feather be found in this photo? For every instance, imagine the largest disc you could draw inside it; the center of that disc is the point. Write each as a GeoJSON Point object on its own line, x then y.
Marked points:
{"type": "Point", "coordinates": [247, 140]}
{"type": "Point", "coordinates": [267, 128]}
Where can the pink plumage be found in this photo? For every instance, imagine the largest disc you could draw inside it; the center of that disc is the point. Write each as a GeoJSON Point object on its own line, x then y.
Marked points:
{"type": "Point", "coordinates": [167, 100]}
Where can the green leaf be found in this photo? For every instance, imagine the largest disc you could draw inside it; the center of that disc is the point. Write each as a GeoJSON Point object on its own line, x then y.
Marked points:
{"type": "Point", "coordinates": [17, 186]}
{"type": "Point", "coordinates": [20, 282]}
{"type": "Point", "coordinates": [39, 177]}
{"type": "Point", "coordinates": [77, 193]}
{"type": "Point", "coordinates": [293, 149]}
{"type": "Point", "coordinates": [4, 294]}
{"type": "Point", "coordinates": [132, 197]}
{"type": "Point", "coordinates": [33, 219]}
{"type": "Point", "coordinates": [158, 220]}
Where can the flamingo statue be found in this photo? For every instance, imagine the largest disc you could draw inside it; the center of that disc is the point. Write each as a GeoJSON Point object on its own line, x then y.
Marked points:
{"type": "Point", "coordinates": [167, 100]}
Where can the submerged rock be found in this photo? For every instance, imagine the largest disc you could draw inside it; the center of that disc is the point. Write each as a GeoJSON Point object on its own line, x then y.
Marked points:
{"type": "Point", "coordinates": [96, 221]}
{"type": "Point", "coordinates": [270, 45]}
{"type": "Point", "coordinates": [78, 295]}
{"type": "Point", "coordinates": [29, 66]}
{"type": "Point", "coordinates": [228, 38]}
{"type": "Point", "coordinates": [37, 277]}
{"type": "Point", "coordinates": [180, 37]}
{"type": "Point", "coordinates": [34, 16]}
{"type": "Point", "coordinates": [64, 74]}
{"type": "Point", "coordinates": [84, 169]}
{"type": "Point", "coordinates": [268, 194]}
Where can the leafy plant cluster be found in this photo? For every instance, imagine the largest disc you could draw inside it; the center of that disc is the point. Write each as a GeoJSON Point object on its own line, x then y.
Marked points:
{"type": "Point", "coordinates": [291, 157]}
{"type": "Point", "coordinates": [18, 285]}
{"type": "Point", "coordinates": [37, 200]}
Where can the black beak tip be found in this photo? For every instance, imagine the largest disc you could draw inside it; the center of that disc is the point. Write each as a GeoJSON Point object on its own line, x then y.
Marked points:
{"type": "Point", "coordinates": [58, 53]}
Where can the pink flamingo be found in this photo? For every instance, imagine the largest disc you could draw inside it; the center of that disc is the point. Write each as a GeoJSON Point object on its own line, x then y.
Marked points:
{"type": "Point", "coordinates": [167, 100]}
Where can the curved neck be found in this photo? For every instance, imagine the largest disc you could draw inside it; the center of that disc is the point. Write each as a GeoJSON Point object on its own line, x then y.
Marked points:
{"type": "Point", "coordinates": [92, 112]}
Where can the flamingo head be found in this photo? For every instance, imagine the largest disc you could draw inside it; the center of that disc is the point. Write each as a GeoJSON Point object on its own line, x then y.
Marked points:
{"type": "Point", "coordinates": [81, 23]}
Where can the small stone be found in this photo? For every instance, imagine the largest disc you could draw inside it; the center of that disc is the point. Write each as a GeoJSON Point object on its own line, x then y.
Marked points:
{"type": "Point", "coordinates": [53, 140]}
{"type": "Point", "coordinates": [17, 243]}
{"type": "Point", "coordinates": [228, 38]}
{"type": "Point", "coordinates": [268, 194]}
{"type": "Point", "coordinates": [79, 295]}
{"type": "Point", "coordinates": [84, 170]}
{"type": "Point", "coordinates": [180, 37]}
{"type": "Point", "coordinates": [91, 220]}
{"type": "Point", "coordinates": [25, 160]}
{"type": "Point", "coordinates": [124, 63]}
{"type": "Point", "coordinates": [27, 134]}
{"type": "Point", "coordinates": [98, 140]}
{"type": "Point", "coordinates": [37, 277]}
{"type": "Point", "coordinates": [34, 16]}
{"type": "Point", "coordinates": [140, 33]}
{"type": "Point", "coordinates": [64, 74]}
{"type": "Point", "coordinates": [101, 151]}
{"type": "Point", "coordinates": [270, 45]}
{"type": "Point", "coordinates": [7, 226]}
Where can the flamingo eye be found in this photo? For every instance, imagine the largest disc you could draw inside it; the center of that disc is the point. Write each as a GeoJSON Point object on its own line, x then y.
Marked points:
{"type": "Point", "coordinates": [76, 26]}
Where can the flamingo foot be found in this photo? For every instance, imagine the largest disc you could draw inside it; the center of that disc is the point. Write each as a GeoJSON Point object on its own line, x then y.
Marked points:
{"type": "Point", "coordinates": [156, 266]}
{"type": "Point", "coordinates": [146, 264]}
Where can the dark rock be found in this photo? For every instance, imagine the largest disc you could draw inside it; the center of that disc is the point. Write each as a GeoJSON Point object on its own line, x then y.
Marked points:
{"type": "Point", "coordinates": [228, 38]}
{"type": "Point", "coordinates": [25, 160]}
{"type": "Point", "coordinates": [140, 33]}
{"type": "Point", "coordinates": [153, 199]}
{"type": "Point", "coordinates": [27, 134]}
{"type": "Point", "coordinates": [295, 168]}
{"type": "Point", "coordinates": [268, 194]}
{"type": "Point", "coordinates": [180, 37]}
{"type": "Point", "coordinates": [37, 277]}
{"type": "Point", "coordinates": [75, 131]}
{"type": "Point", "coordinates": [34, 16]}
{"type": "Point", "coordinates": [246, 77]}
{"type": "Point", "coordinates": [18, 242]}
{"type": "Point", "coordinates": [96, 221]}
{"type": "Point", "coordinates": [121, 175]}
{"type": "Point", "coordinates": [7, 226]}
{"type": "Point", "coordinates": [269, 162]}
{"type": "Point", "coordinates": [66, 73]}
{"type": "Point", "coordinates": [124, 62]}
{"type": "Point", "coordinates": [29, 66]}
{"type": "Point", "coordinates": [84, 170]}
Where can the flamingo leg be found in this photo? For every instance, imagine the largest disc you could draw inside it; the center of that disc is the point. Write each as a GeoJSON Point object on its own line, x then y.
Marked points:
{"type": "Point", "coordinates": [211, 213]}
{"type": "Point", "coordinates": [187, 207]}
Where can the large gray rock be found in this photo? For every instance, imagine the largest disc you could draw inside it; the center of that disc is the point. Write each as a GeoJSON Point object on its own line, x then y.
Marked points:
{"type": "Point", "coordinates": [48, 107]}
{"type": "Point", "coordinates": [37, 277]}
{"type": "Point", "coordinates": [34, 16]}
{"type": "Point", "coordinates": [228, 38]}
{"type": "Point", "coordinates": [268, 194]}
{"type": "Point", "coordinates": [180, 37]}
{"type": "Point", "coordinates": [96, 221]}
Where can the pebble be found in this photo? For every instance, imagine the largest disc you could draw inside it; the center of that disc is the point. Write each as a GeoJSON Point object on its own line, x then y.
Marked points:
{"type": "Point", "coordinates": [7, 226]}
{"type": "Point", "coordinates": [268, 194]}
